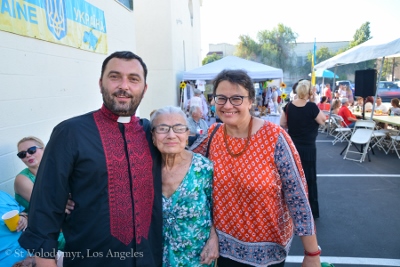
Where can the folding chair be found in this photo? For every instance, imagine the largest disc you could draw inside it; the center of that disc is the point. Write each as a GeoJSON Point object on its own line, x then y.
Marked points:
{"type": "Point", "coordinates": [362, 135]}
{"type": "Point", "coordinates": [379, 139]}
{"type": "Point", "coordinates": [341, 132]}
{"type": "Point", "coordinates": [395, 143]}
{"type": "Point", "coordinates": [328, 122]}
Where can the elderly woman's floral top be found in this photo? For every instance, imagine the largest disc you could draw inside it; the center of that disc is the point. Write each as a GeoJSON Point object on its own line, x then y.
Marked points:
{"type": "Point", "coordinates": [187, 216]}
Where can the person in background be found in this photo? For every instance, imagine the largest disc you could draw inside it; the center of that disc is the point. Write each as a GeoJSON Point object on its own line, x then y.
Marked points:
{"type": "Point", "coordinates": [360, 103]}
{"type": "Point", "coordinates": [302, 118]}
{"type": "Point", "coordinates": [342, 91]}
{"type": "Point", "coordinates": [197, 125]}
{"type": "Point", "coordinates": [323, 104]}
{"type": "Point", "coordinates": [107, 161]}
{"type": "Point", "coordinates": [274, 98]}
{"type": "Point", "coordinates": [30, 151]}
{"type": "Point", "coordinates": [395, 109]}
{"type": "Point", "coordinates": [379, 106]}
{"type": "Point", "coordinates": [349, 95]}
{"type": "Point", "coordinates": [314, 97]}
{"type": "Point", "coordinates": [336, 106]}
{"type": "Point", "coordinates": [189, 238]}
{"type": "Point", "coordinates": [328, 92]}
{"type": "Point", "coordinates": [369, 102]}
{"type": "Point", "coordinates": [348, 117]}
{"type": "Point", "coordinates": [254, 162]}
{"type": "Point", "coordinates": [10, 251]}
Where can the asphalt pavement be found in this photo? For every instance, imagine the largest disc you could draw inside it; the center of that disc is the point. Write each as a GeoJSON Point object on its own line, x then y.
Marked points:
{"type": "Point", "coordinates": [359, 222]}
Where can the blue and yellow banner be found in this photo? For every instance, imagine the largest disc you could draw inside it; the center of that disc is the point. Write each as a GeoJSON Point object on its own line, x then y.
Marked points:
{"type": "Point", "coordinates": [74, 23]}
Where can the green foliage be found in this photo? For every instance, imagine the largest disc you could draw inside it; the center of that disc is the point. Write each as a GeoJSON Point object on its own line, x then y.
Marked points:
{"type": "Point", "coordinates": [274, 48]}
{"type": "Point", "coordinates": [362, 35]}
{"type": "Point", "coordinates": [211, 58]}
{"type": "Point", "coordinates": [388, 67]}
{"type": "Point", "coordinates": [248, 48]}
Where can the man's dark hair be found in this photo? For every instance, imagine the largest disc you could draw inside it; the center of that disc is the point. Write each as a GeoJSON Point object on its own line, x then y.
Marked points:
{"type": "Point", "coordinates": [236, 77]}
{"type": "Point", "coordinates": [127, 55]}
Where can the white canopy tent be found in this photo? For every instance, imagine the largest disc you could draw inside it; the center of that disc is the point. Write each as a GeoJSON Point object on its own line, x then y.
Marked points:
{"type": "Point", "coordinates": [257, 71]}
{"type": "Point", "coordinates": [371, 49]}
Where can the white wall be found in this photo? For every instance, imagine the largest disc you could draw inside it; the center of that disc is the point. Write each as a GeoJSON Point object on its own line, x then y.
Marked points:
{"type": "Point", "coordinates": [43, 83]}
{"type": "Point", "coordinates": [169, 45]}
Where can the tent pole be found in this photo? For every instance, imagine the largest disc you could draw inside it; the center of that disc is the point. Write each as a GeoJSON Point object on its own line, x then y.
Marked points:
{"type": "Point", "coordinates": [377, 86]}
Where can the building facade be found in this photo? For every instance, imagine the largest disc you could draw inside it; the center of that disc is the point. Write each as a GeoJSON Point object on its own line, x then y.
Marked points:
{"type": "Point", "coordinates": [45, 81]}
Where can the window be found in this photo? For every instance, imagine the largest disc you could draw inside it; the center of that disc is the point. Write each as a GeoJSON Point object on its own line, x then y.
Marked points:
{"type": "Point", "coordinates": [127, 3]}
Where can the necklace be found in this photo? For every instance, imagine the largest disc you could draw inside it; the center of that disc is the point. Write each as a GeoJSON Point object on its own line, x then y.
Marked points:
{"type": "Point", "coordinates": [247, 142]}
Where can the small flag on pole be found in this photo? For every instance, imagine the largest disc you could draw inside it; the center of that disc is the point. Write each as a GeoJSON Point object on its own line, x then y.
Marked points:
{"type": "Point", "coordinates": [313, 59]}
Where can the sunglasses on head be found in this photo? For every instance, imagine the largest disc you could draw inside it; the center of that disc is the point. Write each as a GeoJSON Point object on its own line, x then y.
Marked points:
{"type": "Point", "coordinates": [31, 151]}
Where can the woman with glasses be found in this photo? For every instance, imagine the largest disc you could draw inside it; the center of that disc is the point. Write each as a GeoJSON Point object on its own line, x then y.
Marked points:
{"type": "Point", "coordinates": [30, 151]}
{"type": "Point", "coordinates": [189, 239]}
{"type": "Point", "coordinates": [259, 188]}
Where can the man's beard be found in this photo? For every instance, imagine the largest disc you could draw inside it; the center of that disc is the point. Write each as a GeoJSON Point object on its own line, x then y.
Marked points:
{"type": "Point", "coordinates": [118, 108]}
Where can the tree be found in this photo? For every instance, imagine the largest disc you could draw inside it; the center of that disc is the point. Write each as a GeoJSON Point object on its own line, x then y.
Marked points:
{"type": "Point", "coordinates": [322, 54]}
{"type": "Point", "coordinates": [277, 46]}
{"type": "Point", "coordinates": [211, 58]}
{"type": "Point", "coordinates": [248, 48]}
{"type": "Point", "coordinates": [361, 35]}
{"type": "Point", "coordinates": [274, 48]}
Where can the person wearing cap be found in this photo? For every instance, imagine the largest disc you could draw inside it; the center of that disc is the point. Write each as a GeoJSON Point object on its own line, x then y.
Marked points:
{"type": "Point", "coordinates": [348, 117]}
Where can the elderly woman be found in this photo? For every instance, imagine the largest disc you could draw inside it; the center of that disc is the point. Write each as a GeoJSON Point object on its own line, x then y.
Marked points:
{"type": "Point", "coordinates": [197, 125]}
{"type": "Point", "coordinates": [189, 238]}
{"type": "Point", "coordinates": [30, 151]}
{"type": "Point", "coordinates": [259, 188]}
{"type": "Point", "coordinates": [302, 119]}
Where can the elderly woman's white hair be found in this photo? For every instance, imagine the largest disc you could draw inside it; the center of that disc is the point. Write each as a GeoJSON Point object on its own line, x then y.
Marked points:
{"type": "Point", "coordinates": [167, 110]}
{"type": "Point", "coordinates": [194, 108]}
{"type": "Point", "coordinates": [197, 91]}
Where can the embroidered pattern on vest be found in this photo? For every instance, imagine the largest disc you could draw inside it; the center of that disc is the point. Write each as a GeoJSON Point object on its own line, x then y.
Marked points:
{"type": "Point", "coordinates": [122, 224]}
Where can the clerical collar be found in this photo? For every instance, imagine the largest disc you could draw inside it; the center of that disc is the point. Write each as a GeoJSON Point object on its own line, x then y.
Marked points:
{"type": "Point", "coordinates": [115, 117]}
{"type": "Point", "coordinates": [124, 119]}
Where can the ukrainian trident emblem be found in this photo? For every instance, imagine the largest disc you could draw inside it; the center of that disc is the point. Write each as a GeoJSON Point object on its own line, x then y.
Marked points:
{"type": "Point", "coordinates": [56, 18]}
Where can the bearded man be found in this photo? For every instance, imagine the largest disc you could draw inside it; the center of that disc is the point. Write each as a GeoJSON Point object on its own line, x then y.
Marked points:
{"type": "Point", "coordinates": [105, 160]}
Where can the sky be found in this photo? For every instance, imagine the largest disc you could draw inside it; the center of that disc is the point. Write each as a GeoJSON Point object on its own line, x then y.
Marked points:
{"type": "Point", "coordinates": [223, 21]}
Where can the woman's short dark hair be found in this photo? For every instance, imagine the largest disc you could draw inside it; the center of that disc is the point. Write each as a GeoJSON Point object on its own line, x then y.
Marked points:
{"type": "Point", "coordinates": [323, 99]}
{"type": "Point", "coordinates": [236, 77]}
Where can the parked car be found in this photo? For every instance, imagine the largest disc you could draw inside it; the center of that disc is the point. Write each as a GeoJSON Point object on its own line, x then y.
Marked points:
{"type": "Point", "coordinates": [388, 90]}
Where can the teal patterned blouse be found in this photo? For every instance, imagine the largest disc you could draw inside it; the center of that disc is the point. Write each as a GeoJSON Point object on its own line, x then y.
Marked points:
{"type": "Point", "coordinates": [187, 216]}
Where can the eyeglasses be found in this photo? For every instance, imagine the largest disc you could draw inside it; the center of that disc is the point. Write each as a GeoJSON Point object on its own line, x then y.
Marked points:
{"type": "Point", "coordinates": [177, 128]}
{"type": "Point", "coordinates": [31, 151]}
{"type": "Point", "coordinates": [236, 100]}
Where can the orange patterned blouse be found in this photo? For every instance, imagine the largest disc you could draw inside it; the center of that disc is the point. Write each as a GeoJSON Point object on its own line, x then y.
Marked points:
{"type": "Point", "coordinates": [260, 197]}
